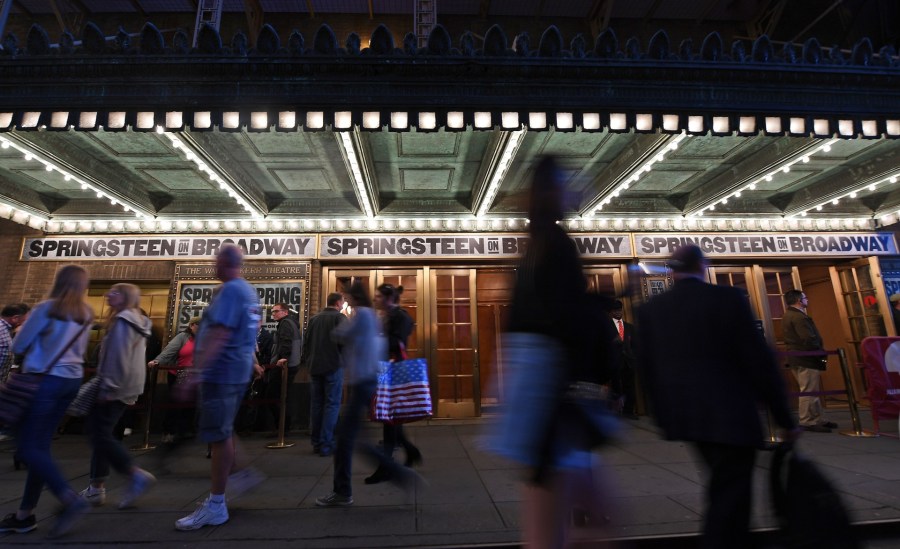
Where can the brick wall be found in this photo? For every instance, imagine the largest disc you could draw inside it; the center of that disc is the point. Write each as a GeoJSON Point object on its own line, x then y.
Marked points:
{"type": "Point", "coordinates": [29, 281]}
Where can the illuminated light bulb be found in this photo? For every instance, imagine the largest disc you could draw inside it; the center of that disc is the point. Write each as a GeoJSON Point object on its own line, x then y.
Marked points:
{"type": "Point", "coordinates": [769, 177]}
{"type": "Point", "coordinates": [893, 179]}
{"type": "Point", "coordinates": [872, 187]}
{"type": "Point", "coordinates": [737, 194]}
{"type": "Point", "coordinates": [113, 201]}
{"type": "Point", "coordinates": [159, 129]}
{"type": "Point", "coordinates": [786, 169]}
{"type": "Point", "coordinates": [724, 201]}
{"type": "Point", "coordinates": [752, 186]}
{"type": "Point", "coordinates": [5, 145]}
{"type": "Point", "coordinates": [853, 194]}
{"type": "Point", "coordinates": [805, 159]}
{"type": "Point", "coordinates": [28, 157]}
{"type": "Point", "coordinates": [835, 201]}
{"type": "Point", "coordinates": [48, 167]}
{"type": "Point", "coordinates": [99, 194]}
{"type": "Point", "coordinates": [826, 148]}
{"type": "Point", "coordinates": [818, 209]}
{"type": "Point", "coordinates": [67, 177]}
{"type": "Point", "coordinates": [624, 186]}
{"type": "Point", "coordinates": [84, 186]}
{"type": "Point", "coordinates": [711, 208]}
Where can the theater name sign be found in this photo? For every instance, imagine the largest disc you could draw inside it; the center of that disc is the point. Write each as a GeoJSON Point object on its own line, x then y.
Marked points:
{"type": "Point", "coordinates": [302, 247]}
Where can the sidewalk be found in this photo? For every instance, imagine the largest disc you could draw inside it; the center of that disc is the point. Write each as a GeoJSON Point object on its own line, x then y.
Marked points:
{"type": "Point", "coordinates": [472, 498]}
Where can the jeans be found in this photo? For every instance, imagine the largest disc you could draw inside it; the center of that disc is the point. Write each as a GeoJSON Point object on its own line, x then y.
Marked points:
{"type": "Point", "coordinates": [107, 450]}
{"type": "Point", "coordinates": [358, 402]}
{"type": "Point", "coordinates": [324, 405]}
{"type": "Point", "coordinates": [35, 435]}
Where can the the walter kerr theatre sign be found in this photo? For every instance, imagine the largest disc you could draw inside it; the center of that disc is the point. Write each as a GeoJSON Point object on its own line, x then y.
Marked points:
{"type": "Point", "coordinates": [453, 246]}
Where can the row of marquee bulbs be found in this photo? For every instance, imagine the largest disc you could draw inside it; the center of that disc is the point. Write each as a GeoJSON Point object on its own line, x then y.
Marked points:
{"type": "Point", "coordinates": [457, 120]}
{"type": "Point", "coordinates": [403, 225]}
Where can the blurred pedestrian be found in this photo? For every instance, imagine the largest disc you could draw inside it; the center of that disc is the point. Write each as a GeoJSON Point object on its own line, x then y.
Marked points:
{"type": "Point", "coordinates": [801, 334]}
{"type": "Point", "coordinates": [53, 340]}
{"type": "Point", "coordinates": [322, 355]}
{"type": "Point", "coordinates": [122, 376]}
{"type": "Point", "coordinates": [397, 325]}
{"type": "Point", "coordinates": [12, 316]}
{"type": "Point", "coordinates": [550, 358]}
{"type": "Point", "coordinates": [707, 367]}
{"type": "Point", "coordinates": [179, 420]}
{"type": "Point", "coordinates": [363, 348]}
{"type": "Point", "coordinates": [224, 360]}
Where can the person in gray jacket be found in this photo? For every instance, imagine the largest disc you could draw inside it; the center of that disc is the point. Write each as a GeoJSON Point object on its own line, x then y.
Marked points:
{"type": "Point", "coordinates": [122, 375]}
{"type": "Point", "coordinates": [322, 355]}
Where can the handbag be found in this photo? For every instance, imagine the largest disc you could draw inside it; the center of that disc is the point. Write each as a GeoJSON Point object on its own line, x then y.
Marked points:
{"type": "Point", "coordinates": [17, 394]}
{"type": "Point", "coordinates": [403, 394]}
{"type": "Point", "coordinates": [86, 398]}
{"type": "Point", "coordinates": [809, 510]}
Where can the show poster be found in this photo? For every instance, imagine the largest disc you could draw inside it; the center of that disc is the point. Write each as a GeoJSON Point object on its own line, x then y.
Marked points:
{"type": "Point", "coordinates": [195, 284]}
{"type": "Point", "coordinates": [194, 298]}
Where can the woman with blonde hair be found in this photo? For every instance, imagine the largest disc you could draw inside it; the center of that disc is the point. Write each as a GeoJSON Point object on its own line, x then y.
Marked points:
{"type": "Point", "coordinates": [53, 340]}
{"type": "Point", "coordinates": [122, 375]}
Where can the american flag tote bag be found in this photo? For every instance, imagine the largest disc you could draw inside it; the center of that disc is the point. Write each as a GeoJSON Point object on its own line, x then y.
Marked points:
{"type": "Point", "coordinates": [403, 393]}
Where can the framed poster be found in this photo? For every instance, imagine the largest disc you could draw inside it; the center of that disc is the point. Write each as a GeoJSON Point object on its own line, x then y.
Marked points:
{"type": "Point", "coordinates": [194, 284]}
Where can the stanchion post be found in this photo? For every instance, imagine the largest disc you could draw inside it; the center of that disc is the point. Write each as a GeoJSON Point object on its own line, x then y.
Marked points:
{"type": "Point", "coordinates": [150, 392]}
{"type": "Point", "coordinates": [283, 413]}
{"type": "Point", "coordinates": [773, 439]}
{"type": "Point", "coordinates": [851, 400]}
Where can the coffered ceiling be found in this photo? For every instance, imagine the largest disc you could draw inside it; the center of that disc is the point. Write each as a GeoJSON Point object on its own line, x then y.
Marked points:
{"type": "Point", "coordinates": [306, 176]}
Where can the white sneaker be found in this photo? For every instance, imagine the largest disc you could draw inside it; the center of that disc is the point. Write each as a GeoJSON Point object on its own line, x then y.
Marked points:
{"type": "Point", "coordinates": [206, 513]}
{"type": "Point", "coordinates": [141, 481]}
{"type": "Point", "coordinates": [241, 482]}
{"type": "Point", "coordinates": [127, 431]}
{"type": "Point", "coordinates": [94, 496]}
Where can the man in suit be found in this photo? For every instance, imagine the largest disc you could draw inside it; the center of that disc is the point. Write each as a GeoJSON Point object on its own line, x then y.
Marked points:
{"type": "Point", "coordinates": [624, 378]}
{"type": "Point", "coordinates": [706, 368]}
{"type": "Point", "coordinates": [801, 334]}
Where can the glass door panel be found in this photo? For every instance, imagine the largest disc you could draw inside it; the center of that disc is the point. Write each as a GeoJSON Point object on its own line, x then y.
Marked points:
{"type": "Point", "coordinates": [455, 343]}
{"type": "Point", "coordinates": [494, 288]}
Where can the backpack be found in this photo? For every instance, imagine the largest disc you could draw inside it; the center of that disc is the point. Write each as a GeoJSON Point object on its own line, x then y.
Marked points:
{"type": "Point", "coordinates": [808, 508]}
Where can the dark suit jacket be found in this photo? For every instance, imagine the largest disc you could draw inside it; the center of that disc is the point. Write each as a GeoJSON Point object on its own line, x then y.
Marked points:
{"type": "Point", "coordinates": [706, 366]}
{"type": "Point", "coordinates": [801, 334]}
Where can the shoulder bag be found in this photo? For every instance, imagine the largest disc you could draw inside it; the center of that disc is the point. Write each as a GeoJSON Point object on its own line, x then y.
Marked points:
{"type": "Point", "coordinates": [17, 394]}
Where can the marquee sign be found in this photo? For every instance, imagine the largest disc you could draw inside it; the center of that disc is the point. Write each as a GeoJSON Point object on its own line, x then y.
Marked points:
{"type": "Point", "coordinates": [291, 246]}
{"type": "Point", "coordinates": [460, 246]}
{"type": "Point", "coordinates": [424, 246]}
{"type": "Point", "coordinates": [768, 244]}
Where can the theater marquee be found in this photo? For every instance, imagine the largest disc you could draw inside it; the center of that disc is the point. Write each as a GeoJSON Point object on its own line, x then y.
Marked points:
{"type": "Point", "coordinates": [424, 246]}
{"type": "Point", "coordinates": [460, 246]}
{"type": "Point", "coordinates": [765, 244]}
{"type": "Point", "coordinates": [291, 246]}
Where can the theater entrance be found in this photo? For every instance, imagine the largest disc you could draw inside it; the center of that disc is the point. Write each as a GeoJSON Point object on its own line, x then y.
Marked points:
{"type": "Point", "coordinates": [460, 314]}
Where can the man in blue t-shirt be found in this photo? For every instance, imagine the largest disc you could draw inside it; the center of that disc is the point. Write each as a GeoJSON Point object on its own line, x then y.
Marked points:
{"type": "Point", "coordinates": [224, 357]}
